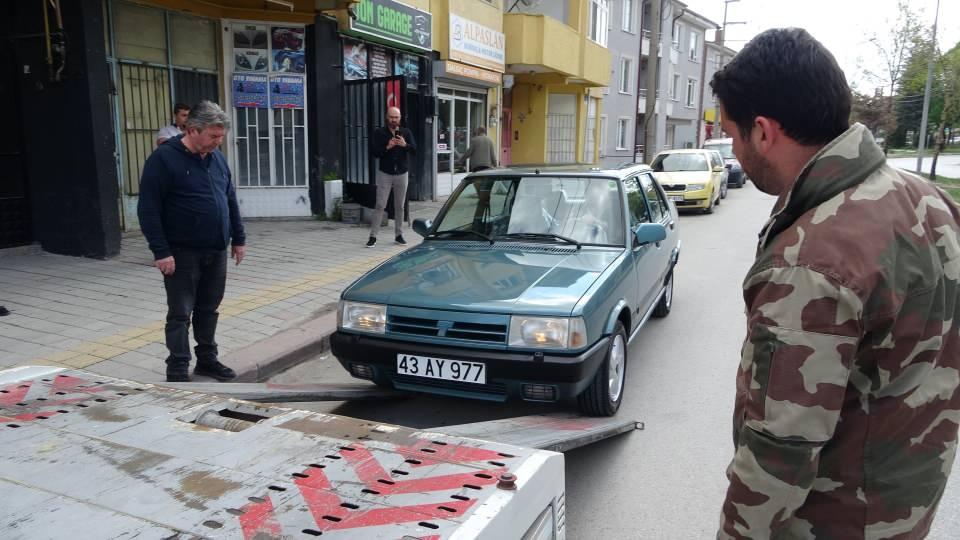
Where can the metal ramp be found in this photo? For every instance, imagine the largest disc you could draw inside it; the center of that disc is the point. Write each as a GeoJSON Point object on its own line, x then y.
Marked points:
{"type": "Point", "coordinates": [558, 432]}
{"type": "Point", "coordinates": [86, 456]}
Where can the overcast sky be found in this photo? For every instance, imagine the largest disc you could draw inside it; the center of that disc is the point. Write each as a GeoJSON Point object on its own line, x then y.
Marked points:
{"type": "Point", "coordinates": [844, 26]}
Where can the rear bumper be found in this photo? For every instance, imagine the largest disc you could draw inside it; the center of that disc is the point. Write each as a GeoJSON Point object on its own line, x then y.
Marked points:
{"type": "Point", "coordinates": [507, 372]}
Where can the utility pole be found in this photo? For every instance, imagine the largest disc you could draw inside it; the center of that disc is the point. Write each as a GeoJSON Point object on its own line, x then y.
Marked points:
{"type": "Point", "coordinates": [723, 55]}
{"type": "Point", "coordinates": [926, 93]}
{"type": "Point", "coordinates": [653, 69]}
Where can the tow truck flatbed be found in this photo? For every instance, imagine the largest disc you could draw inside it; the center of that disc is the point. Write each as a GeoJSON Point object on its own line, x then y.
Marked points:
{"type": "Point", "coordinates": [87, 456]}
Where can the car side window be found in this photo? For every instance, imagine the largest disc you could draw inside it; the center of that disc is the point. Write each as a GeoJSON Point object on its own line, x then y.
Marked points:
{"type": "Point", "coordinates": [658, 206]}
{"type": "Point", "coordinates": [636, 202]}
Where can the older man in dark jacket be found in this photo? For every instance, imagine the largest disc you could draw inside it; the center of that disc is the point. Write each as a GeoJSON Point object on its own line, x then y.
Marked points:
{"type": "Point", "coordinates": [189, 214]}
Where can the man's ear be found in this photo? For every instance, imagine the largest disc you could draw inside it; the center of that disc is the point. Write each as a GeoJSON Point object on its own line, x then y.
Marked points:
{"type": "Point", "coordinates": [766, 133]}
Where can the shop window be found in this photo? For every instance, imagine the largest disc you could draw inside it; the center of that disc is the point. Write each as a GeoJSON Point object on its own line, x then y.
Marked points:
{"type": "Point", "coordinates": [140, 33]}
{"type": "Point", "coordinates": [193, 42]}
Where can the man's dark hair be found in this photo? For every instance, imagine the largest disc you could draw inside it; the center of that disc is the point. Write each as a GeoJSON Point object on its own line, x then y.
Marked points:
{"type": "Point", "coordinates": [180, 107]}
{"type": "Point", "coordinates": [787, 75]}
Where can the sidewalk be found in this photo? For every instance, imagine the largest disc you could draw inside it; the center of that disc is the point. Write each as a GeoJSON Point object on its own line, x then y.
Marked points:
{"type": "Point", "coordinates": [107, 317]}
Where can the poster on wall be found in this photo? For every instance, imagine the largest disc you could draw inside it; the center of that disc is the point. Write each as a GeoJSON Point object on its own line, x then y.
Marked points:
{"type": "Point", "coordinates": [354, 60]}
{"type": "Point", "coordinates": [286, 92]}
{"type": "Point", "coordinates": [381, 62]}
{"type": "Point", "coordinates": [288, 53]}
{"type": "Point", "coordinates": [250, 47]}
{"type": "Point", "coordinates": [249, 91]}
{"type": "Point", "coordinates": [408, 65]}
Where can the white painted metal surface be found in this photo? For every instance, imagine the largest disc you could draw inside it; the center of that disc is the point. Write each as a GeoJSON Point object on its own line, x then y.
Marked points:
{"type": "Point", "coordinates": [86, 456]}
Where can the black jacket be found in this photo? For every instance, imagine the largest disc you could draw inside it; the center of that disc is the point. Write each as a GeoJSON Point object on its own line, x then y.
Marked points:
{"type": "Point", "coordinates": [187, 202]}
{"type": "Point", "coordinates": [393, 161]}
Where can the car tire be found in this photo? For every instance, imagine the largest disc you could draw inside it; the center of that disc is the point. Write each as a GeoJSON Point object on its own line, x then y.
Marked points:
{"type": "Point", "coordinates": [605, 393]}
{"type": "Point", "coordinates": [709, 208]}
{"type": "Point", "coordinates": [666, 301]}
{"type": "Point", "coordinates": [723, 190]}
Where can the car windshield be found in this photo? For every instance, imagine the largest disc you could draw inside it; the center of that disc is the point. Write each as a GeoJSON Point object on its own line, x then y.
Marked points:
{"type": "Point", "coordinates": [679, 163]}
{"type": "Point", "coordinates": [541, 209]}
{"type": "Point", "coordinates": [725, 149]}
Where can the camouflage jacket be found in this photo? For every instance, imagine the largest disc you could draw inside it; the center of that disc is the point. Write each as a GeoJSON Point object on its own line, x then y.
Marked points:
{"type": "Point", "coordinates": [847, 404]}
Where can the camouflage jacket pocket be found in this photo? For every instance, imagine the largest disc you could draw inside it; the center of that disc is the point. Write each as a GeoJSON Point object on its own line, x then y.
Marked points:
{"type": "Point", "coordinates": [797, 381]}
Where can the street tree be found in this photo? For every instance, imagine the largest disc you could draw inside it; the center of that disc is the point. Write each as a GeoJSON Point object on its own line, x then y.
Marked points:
{"type": "Point", "coordinates": [949, 67]}
{"type": "Point", "coordinates": [895, 47]}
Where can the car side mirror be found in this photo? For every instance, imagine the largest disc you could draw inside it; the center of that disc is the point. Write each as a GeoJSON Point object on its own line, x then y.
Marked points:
{"type": "Point", "coordinates": [422, 226]}
{"type": "Point", "coordinates": [650, 232]}
{"type": "Point", "coordinates": [718, 169]}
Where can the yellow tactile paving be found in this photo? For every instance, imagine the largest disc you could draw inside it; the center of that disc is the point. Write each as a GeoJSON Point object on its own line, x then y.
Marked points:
{"type": "Point", "coordinates": [131, 339]}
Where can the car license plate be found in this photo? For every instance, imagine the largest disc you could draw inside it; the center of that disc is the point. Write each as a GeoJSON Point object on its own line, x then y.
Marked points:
{"type": "Point", "coordinates": [676, 198]}
{"type": "Point", "coordinates": [441, 368]}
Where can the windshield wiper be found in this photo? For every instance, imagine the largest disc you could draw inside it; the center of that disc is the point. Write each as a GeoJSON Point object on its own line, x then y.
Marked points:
{"type": "Point", "coordinates": [461, 232]}
{"type": "Point", "coordinates": [540, 236]}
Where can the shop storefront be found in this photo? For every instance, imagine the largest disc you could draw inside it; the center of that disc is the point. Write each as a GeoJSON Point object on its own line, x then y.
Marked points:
{"type": "Point", "coordinates": [266, 70]}
{"type": "Point", "coordinates": [468, 95]}
{"type": "Point", "coordinates": [157, 58]}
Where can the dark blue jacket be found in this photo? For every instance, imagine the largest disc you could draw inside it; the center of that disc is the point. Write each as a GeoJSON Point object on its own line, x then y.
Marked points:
{"type": "Point", "coordinates": [187, 202]}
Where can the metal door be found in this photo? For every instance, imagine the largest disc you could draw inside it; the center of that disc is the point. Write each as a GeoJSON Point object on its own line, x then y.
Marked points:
{"type": "Point", "coordinates": [365, 104]}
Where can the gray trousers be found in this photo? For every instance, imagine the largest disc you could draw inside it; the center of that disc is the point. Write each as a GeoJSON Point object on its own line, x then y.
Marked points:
{"type": "Point", "coordinates": [385, 183]}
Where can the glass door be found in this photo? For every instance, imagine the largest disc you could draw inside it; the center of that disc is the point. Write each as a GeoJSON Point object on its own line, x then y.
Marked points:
{"type": "Point", "coordinates": [444, 136]}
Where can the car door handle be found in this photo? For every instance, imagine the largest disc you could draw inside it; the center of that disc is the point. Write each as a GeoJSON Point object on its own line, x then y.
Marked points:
{"type": "Point", "coordinates": [673, 224]}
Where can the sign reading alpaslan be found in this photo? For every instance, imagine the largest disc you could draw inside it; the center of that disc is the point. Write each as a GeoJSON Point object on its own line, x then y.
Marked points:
{"type": "Point", "coordinates": [394, 21]}
{"type": "Point", "coordinates": [473, 43]}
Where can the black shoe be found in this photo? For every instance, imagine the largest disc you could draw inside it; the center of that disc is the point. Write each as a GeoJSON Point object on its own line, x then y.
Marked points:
{"type": "Point", "coordinates": [213, 368]}
{"type": "Point", "coordinates": [372, 241]}
{"type": "Point", "coordinates": [399, 239]}
{"type": "Point", "coordinates": [179, 372]}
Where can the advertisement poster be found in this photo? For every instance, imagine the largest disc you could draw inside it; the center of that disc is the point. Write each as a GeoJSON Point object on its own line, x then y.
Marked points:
{"type": "Point", "coordinates": [354, 60]}
{"type": "Point", "coordinates": [381, 62]}
{"type": "Point", "coordinates": [249, 91]}
{"type": "Point", "coordinates": [408, 65]}
{"type": "Point", "coordinates": [288, 53]}
{"type": "Point", "coordinates": [286, 92]}
{"type": "Point", "coordinates": [250, 48]}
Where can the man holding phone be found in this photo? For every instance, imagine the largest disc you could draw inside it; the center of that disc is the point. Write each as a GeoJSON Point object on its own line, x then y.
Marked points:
{"type": "Point", "coordinates": [392, 144]}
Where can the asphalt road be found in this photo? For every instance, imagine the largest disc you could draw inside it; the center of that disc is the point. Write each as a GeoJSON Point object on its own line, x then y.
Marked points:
{"type": "Point", "coordinates": [947, 165]}
{"type": "Point", "coordinates": [666, 481]}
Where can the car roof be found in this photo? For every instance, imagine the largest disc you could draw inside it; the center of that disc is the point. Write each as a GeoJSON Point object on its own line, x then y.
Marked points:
{"type": "Point", "coordinates": [728, 140]}
{"type": "Point", "coordinates": [620, 171]}
{"type": "Point", "coordinates": [686, 151]}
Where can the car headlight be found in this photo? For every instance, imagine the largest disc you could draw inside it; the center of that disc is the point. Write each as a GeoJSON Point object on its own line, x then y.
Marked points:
{"type": "Point", "coordinates": [695, 187]}
{"type": "Point", "coordinates": [547, 332]}
{"type": "Point", "coordinates": [363, 317]}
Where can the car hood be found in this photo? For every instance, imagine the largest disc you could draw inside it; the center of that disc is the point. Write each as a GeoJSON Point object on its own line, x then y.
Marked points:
{"type": "Point", "coordinates": [683, 177]}
{"type": "Point", "coordinates": [504, 278]}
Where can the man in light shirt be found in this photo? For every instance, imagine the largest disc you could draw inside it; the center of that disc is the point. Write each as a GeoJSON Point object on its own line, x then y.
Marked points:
{"type": "Point", "coordinates": [180, 113]}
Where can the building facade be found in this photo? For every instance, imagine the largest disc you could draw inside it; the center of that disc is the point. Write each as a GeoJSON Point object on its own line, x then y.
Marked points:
{"type": "Point", "coordinates": [630, 48]}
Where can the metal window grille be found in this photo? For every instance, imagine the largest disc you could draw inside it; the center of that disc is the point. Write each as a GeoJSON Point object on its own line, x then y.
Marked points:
{"type": "Point", "coordinates": [288, 131]}
{"type": "Point", "coordinates": [145, 100]}
{"type": "Point", "coordinates": [253, 147]}
{"type": "Point", "coordinates": [561, 138]}
{"type": "Point", "coordinates": [588, 136]}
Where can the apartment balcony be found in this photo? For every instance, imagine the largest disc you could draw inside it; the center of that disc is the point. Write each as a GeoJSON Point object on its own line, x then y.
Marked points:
{"type": "Point", "coordinates": [542, 44]}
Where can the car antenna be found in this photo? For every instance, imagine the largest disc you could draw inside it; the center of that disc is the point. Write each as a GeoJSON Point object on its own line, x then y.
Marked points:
{"type": "Point", "coordinates": [536, 171]}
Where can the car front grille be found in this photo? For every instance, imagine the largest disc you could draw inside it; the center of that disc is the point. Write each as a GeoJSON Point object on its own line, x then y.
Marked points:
{"type": "Point", "coordinates": [674, 187]}
{"type": "Point", "coordinates": [459, 330]}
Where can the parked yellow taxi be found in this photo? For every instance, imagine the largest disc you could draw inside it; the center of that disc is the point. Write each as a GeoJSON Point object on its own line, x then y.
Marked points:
{"type": "Point", "coordinates": [693, 179]}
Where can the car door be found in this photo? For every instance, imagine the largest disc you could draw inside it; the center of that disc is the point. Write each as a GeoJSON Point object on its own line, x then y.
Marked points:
{"type": "Point", "coordinates": [644, 265]}
{"type": "Point", "coordinates": [660, 252]}
{"type": "Point", "coordinates": [717, 161]}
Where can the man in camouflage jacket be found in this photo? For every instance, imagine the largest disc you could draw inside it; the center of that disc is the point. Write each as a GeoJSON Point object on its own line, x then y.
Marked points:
{"type": "Point", "coordinates": [847, 405]}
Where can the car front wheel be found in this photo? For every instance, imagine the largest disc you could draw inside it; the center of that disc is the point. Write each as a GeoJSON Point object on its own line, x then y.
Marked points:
{"type": "Point", "coordinates": [605, 393]}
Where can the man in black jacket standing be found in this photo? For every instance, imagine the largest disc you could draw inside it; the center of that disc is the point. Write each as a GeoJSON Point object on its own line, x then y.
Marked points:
{"type": "Point", "coordinates": [189, 213]}
{"type": "Point", "coordinates": [392, 144]}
